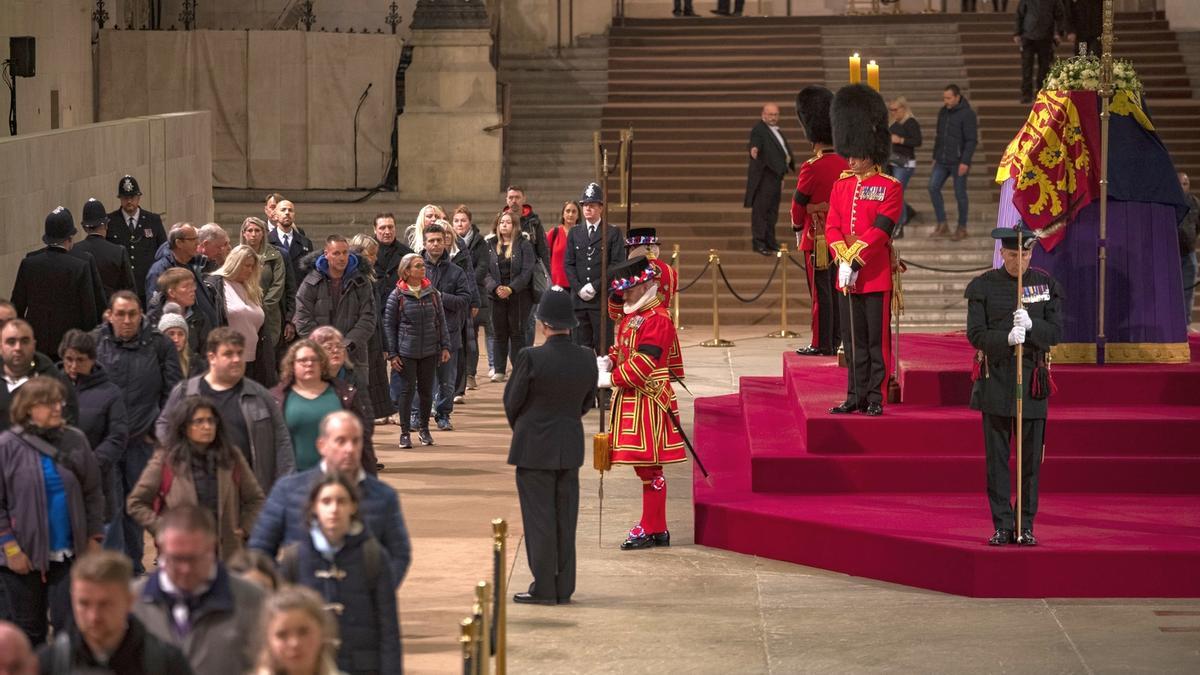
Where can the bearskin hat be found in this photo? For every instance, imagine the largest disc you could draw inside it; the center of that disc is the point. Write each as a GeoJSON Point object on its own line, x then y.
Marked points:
{"type": "Point", "coordinates": [860, 124]}
{"type": "Point", "coordinates": [812, 107]}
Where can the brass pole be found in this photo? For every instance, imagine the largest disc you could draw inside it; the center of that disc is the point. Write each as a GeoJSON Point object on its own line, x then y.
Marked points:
{"type": "Point", "coordinates": [482, 593]}
{"type": "Point", "coordinates": [500, 545]}
{"type": "Point", "coordinates": [596, 156]}
{"type": "Point", "coordinates": [675, 300]}
{"type": "Point", "coordinates": [622, 169]}
{"type": "Point", "coordinates": [1106, 93]}
{"type": "Point", "coordinates": [466, 638]}
{"type": "Point", "coordinates": [783, 331]}
{"type": "Point", "coordinates": [1020, 385]}
{"type": "Point", "coordinates": [716, 341]}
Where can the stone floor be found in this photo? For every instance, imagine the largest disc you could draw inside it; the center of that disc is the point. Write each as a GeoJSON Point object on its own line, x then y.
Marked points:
{"type": "Point", "coordinates": [690, 609]}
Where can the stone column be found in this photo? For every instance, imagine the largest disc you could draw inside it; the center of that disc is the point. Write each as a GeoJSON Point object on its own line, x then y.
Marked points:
{"type": "Point", "coordinates": [450, 97]}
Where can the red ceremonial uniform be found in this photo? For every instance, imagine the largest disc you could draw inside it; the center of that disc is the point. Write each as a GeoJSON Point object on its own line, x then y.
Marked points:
{"type": "Point", "coordinates": [813, 186]}
{"type": "Point", "coordinates": [668, 281]}
{"type": "Point", "coordinates": [862, 214]}
{"type": "Point", "coordinates": [641, 428]}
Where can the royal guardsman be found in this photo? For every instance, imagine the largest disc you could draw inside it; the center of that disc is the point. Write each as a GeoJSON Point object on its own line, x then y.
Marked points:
{"type": "Point", "coordinates": [643, 241]}
{"type": "Point", "coordinates": [138, 230]}
{"type": "Point", "coordinates": [864, 207]}
{"type": "Point", "coordinates": [810, 204]}
{"type": "Point", "coordinates": [644, 418]}
{"type": "Point", "coordinates": [996, 324]}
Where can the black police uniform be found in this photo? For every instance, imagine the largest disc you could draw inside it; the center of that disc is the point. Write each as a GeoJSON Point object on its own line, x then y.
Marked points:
{"type": "Point", "coordinates": [582, 265]}
{"type": "Point", "coordinates": [112, 261]}
{"type": "Point", "coordinates": [141, 240]}
{"type": "Point", "coordinates": [991, 301]}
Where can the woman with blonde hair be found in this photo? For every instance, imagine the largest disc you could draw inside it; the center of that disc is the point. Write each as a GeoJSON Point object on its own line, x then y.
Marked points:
{"type": "Point", "coordinates": [378, 392]}
{"type": "Point", "coordinates": [299, 637]}
{"type": "Point", "coordinates": [272, 279]}
{"type": "Point", "coordinates": [510, 288]}
{"type": "Point", "coordinates": [906, 137]}
{"type": "Point", "coordinates": [414, 234]}
{"type": "Point", "coordinates": [237, 293]}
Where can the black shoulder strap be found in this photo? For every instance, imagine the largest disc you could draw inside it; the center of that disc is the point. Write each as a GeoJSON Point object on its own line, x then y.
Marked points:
{"type": "Point", "coordinates": [38, 444]}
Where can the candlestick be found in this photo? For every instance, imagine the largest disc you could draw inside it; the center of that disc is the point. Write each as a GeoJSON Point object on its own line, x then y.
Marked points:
{"type": "Point", "coordinates": [855, 69]}
{"type": "Point", "coordinates": [873, 75]}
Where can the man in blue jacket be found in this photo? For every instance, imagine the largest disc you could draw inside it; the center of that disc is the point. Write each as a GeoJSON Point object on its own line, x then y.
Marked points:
{"type": "Point", "coordinates": [957, 136]}
{"type": "Point", "coordinates": [339, 443]}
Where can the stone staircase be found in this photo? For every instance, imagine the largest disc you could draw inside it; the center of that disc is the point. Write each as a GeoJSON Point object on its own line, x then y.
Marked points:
{"type": "Point", "coordinates": [556, 104]}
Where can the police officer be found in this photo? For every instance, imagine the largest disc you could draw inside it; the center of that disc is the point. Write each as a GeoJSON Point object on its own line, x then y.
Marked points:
{"type": "Point", "coordinates": [582, 264]}
{"type": "Point", "coordinates": [995, 325]}
{"type": "Point", "coordinates": [53, 290]}
{"type": "Point", "coordinates": [112, 260]}
{"type": "Point", "coordinates": [552, 386]}
{"type": "Point", "coordinates": [139, 231]}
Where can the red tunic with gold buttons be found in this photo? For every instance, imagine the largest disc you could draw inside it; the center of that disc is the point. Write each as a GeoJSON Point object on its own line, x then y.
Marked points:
{"type": "Point", "coordinates": [668, 281]}
{"type": "Point", "coordinates": [641, 430]}
{"type": "Point", "coordinates": [862, 214]}
{"type": "Point", "coordinates": [813, 186]}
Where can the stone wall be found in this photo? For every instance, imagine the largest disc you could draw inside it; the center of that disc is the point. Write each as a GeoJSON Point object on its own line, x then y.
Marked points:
{"type": "Point", "coordinates": [169, 154]}
{"type": "Point", "coordinates": [283, 102]}
{"type": "Point", "coordinates": [64, 63]}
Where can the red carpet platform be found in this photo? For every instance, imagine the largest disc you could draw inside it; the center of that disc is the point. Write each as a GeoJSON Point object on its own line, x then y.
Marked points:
{"type": "Point", "coordinates": [900, 498]}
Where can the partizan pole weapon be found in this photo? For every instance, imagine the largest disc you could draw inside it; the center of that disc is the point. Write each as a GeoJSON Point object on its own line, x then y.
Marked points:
{"type": "Point", "coordinates": [1020, 382]}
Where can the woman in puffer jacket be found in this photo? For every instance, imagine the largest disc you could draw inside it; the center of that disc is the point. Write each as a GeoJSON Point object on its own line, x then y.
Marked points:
{"type": "Point", "coordinates": [416, 341]}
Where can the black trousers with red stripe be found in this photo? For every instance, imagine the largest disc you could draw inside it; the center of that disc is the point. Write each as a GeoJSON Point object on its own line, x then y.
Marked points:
{"type": "Point", "coordinates": [866, 351]}
{"type": "Point", "coordinates": [821, 289]}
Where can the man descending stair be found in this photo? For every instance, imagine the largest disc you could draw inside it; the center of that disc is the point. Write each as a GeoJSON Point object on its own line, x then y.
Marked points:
{"type": "Point", "coordinates": [810, 204]}
{"type": "Point", "coordinates": [644, 418]}
{"type": "Point", "coordinates": [864, 207]}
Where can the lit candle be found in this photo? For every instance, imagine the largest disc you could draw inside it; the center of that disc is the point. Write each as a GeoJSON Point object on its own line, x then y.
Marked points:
{"type": "Point", "coordinates": [855, 69]}
{"type": "Point", "coordinates": [873, 75]}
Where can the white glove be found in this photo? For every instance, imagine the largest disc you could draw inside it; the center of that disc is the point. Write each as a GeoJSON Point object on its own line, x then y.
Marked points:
{"type": "Point", "coordinates": [604, 364]}
{"type": "Point", "coordinates": [1021, 318]}
{"type": "Point", "coordinates": [587, 292]}
{"type": "Point", "coordinates": [556, 287]}
{"type": "Point", "coordinates": [853, 278]}
{"type": "Point", "coordinates": [1016, 336]}
{"type": "Point", "coordinates": [605, 380]}
{"type": "Point", "coordinates": [844, 275]}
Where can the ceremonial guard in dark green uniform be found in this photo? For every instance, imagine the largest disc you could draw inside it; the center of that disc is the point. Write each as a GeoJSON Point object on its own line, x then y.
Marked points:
{"type": "Point", "coordinates": [995, 325]}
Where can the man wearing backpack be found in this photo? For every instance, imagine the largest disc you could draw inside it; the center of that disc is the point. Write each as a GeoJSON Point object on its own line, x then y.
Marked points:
{"type": "Point", "coordinates": [106, 637]}
{"type": "Point", "coordinates": [193, 602]}
{"type": "Point", "coordinates": [339, 442]}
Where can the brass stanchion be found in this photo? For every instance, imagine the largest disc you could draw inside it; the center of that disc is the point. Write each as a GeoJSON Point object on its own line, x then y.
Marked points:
{"type": "Point", "coordinates": [716, 341]}
{"type": "Point", "coordinates": [596, 156]}
{"type": "Point", "coordinates": [482, 593]}
{"type": "Point", "coordinates": [675, 300]}
{"type": "Point", "coordinates": [783, 331]}
{"type": "Point", "coordinates": [466, 638]}
{"type": "Point", "coordinates": [499, 543]}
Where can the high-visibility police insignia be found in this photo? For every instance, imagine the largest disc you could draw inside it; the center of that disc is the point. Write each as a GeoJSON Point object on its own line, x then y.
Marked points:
{"type": "Point", "coordinates": [57, 209]}
{"type": "Point", "coordinates": [873, 193]}
{"type": "Point", "coordinates": [1035, 293]}
{"type": "Point", "coordinates": [127, 184]}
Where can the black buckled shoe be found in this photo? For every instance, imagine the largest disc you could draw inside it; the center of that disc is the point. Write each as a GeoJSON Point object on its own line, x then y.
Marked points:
{"type": "Point", "coordinates": [810, 351]}
{"type": "Point", "coordinates": [426, 438]}
{"type": "Point", "coordinates": [661, 538]}
{"type": "Point", "coordinates": [1027, 538]}
{"type": "Point", "coordinates": [844, 408]}
{"type": "Point", "coordinates": [634, 542]}
{"type": "Point", "coordinates": [405, 441]}
{"type": "Point", "coordinates": [873, 409]}
{"type": "Point", "coordinates": [1001, 538]}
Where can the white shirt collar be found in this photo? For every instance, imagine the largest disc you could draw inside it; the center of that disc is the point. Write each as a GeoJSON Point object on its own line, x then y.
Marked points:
{"type": "Point", "coordinates": [135, 215]}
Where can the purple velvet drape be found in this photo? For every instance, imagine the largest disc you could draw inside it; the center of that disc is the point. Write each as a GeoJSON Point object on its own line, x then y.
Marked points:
{"type": "Point", "coordinates": [1144, 291]}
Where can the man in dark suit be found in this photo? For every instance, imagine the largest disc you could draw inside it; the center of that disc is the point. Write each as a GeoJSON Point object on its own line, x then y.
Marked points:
{"type": "Point", "coordinates": [140, 232]}
{"type": "Point", "coordinates": [552, 387]}
{"type": "Point", "coordinates": [112, 261]}
{"type": "Point", "coordinates": [770, 160]}
{"type": "Point", "coordinates": [53, 291]}
{"type": "Point", "coordinates": [582, 263]}
{"type": "Point", "coordinates": [723, 8]}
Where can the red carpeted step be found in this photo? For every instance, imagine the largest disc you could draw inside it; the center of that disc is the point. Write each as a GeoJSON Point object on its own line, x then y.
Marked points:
{"type": "Point", "coordinates": [1092, 545]}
